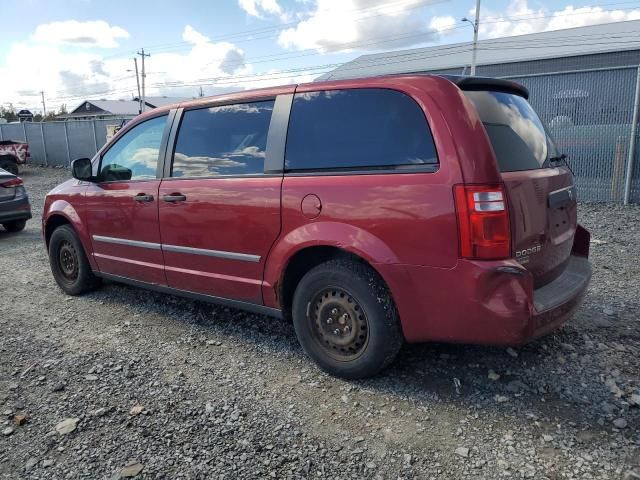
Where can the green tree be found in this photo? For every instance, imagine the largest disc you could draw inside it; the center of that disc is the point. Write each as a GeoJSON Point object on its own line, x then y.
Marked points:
{"type": "Point", "coordinates": [8, 113]}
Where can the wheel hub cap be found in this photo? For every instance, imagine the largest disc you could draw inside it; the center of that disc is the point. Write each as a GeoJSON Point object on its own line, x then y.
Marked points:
{"type": "Point", "coordinates": [339, 322]}
{"type": "Point", "coordinates": [68, 261]}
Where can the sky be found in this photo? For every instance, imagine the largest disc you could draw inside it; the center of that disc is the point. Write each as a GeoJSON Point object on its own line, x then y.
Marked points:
{"type": "Point", "coordinates": [74, 50]}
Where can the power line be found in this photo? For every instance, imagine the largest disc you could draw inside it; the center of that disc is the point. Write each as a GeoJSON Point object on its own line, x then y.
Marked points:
{"type": "Point", "coordinates": [286, 25]}
{"type": "Point", "coordinates": [317, 69]}
{"type": "Point", "coordinates": [281, 27]}
{"type": "Point", "coordinates": [462, 47]}
{"type": "Point", "coordinates": [391, 39]}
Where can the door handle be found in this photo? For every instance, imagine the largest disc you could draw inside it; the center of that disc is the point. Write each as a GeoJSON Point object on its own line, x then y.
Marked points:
{"type": "Point", "coordinates": [143, 197]}
{"type": "Point", "coordinates": [174, 197]}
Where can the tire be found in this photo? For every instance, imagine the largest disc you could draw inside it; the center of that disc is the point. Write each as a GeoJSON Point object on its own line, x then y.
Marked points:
{"type": "Point", "coordinates": [15, 225]}
{"type": "Point", "coordinates": [69, 264]}
{"type": "Point", "coordinates": [346, 320]}
{"type": "Point", "coordinates": [9, 165]}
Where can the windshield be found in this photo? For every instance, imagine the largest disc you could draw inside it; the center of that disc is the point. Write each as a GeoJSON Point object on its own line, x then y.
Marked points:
{"type": "Point", "coordinates": [519, 139]}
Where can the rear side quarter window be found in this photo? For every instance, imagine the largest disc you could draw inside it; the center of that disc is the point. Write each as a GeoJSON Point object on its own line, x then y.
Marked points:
{"type": "Point", "coordinates": [357, 129]}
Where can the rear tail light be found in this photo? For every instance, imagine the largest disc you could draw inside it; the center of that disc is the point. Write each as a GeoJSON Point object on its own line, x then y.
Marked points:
{"type": "Point", "coordinates": [14, 182]}
{"type": "Point", "coordinates": [483, 221]}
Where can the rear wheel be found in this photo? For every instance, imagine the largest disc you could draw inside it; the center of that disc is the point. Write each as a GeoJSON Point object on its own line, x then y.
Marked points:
{"type": "Point", "coordinates": [15, 225]}
{"type": "Point", "coordinates": [69, 264]}
{"type": "Point", "coordinates": [9, 164]}
{"type": "Point", "coordinates": [345, 319]}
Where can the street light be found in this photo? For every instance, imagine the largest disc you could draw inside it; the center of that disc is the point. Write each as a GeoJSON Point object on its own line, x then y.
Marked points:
{"type": "Point", "coordinates": [475, 26]}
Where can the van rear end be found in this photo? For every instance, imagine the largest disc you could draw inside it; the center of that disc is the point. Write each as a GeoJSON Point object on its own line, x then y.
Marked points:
{"type": "Point", "coordinates": [526, 224]}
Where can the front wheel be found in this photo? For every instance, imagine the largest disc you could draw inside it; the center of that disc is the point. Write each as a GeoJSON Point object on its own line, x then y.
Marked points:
{"type": "Point", "coordinates": [69, 264]}
{"type": "Point", "coordinates": [345, 319]}
{"type": "Point", "coordinates": [15, 225]}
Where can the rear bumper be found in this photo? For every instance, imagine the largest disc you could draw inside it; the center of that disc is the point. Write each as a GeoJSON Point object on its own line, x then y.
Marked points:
{"type": "Point", "coordinates": [489, 303]}
{"type": "Point", "coordinates": [16, 209]}
{"type": "Point", "coordinates": [554, 303]}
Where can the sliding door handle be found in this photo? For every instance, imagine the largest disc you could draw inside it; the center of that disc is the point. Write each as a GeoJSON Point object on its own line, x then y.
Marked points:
{"type": "Point", "coordinates": [174, 197]}
{"type": "Point", "coordinates": [143, 197]}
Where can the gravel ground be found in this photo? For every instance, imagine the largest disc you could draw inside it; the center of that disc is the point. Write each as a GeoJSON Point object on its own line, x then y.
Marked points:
{"type": "Point", "coordinates": [124, 382]}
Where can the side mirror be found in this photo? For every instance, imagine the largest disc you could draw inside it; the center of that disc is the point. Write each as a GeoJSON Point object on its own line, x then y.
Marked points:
{"type": "Point", "coordinates": [81, 169]}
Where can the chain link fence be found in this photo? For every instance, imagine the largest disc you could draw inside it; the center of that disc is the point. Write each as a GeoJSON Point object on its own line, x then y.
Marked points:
{"type": "Point", "coordinates": [57, 143]}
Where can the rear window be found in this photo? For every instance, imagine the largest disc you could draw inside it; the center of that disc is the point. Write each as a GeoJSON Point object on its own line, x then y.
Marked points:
{"type": "Point", "coordinates": [519, 138]}
{"type": "Point", "coordinates": [357, 129]}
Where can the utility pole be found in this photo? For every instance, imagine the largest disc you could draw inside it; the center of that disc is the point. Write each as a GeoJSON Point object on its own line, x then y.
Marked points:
{"type": "Point", "coordinates": [476, 27]}
{"type": "Point", "coordinates": [142, 98]}
{"type": "Point", "coordinates": [135, 61]}
{"type": "Point", "coordinates": [44, 108]}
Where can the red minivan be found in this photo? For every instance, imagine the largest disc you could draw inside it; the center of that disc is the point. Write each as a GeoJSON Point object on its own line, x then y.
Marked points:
{"type": "Point", "coordinates": [371, 212]}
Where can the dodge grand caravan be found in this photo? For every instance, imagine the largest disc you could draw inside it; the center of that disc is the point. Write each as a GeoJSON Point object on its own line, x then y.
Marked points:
{"type": "Point", "coordinates": [371, 212]}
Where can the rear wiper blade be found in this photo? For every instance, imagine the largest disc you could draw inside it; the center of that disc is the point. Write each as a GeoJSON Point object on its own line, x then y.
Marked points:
{"type": "Point", "coordinates": [556, 161]}
{"type": "Point", "coordinates": [562, 158]}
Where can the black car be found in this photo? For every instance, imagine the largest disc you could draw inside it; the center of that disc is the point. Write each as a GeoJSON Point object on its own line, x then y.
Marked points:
{"type": "Point", "coordinates": [15, 208]}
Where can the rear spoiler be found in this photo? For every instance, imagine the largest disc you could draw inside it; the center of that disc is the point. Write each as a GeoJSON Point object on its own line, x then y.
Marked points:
{"type": "Point", "coordinates": [488, 83]}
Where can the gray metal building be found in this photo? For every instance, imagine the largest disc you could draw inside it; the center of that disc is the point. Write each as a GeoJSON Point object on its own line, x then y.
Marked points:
{"type": "Point", "coordinates": [584, 83]}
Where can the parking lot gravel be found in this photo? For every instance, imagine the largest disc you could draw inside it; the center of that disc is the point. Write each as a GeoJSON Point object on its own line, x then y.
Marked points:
{"type": "Point", "coordinates": [125, 383]}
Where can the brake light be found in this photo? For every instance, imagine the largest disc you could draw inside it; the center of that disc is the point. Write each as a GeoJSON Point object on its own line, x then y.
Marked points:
{"type": "Point", "coordinates": [483, 221]}
{"type": "Point", "coordinates": [14, 182]}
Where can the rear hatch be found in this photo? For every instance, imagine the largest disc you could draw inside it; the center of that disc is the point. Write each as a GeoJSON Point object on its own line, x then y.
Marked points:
{"type": "Point", "coordinates": [539, 184]}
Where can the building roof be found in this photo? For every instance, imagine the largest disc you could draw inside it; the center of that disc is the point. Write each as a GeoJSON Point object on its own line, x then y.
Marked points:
{"type": "Point", "coordinates": [89, 108]}
{"type": "Point", "coordinates": [603, 38]}
{"type": "Point", "coordinates": [98, 108]}
{"type": "Point", "coordinates": [117, 107]}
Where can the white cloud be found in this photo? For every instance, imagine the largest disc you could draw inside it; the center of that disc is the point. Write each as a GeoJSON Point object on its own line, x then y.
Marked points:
{"type": "Point", "coordinates": [205, 60]}
{"type": "Point", "coordinates": [520, 19]}
{"type": "Point", "coordinates": [258, 8]}
{"type": "Point", "coordinates": [89, 34]}
{"type": "Point", "coordinates": [442, 24]}
{"type": "Point", "coordinates": [68, 75]}
{"type": "Point", "coordinates": [191, 35]}
{"type": "Point", "coordinates": [362, 24]}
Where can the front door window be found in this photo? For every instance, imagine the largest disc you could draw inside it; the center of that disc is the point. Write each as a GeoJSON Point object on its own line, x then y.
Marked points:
{"type": "Point", "coordinates": [135, 155]}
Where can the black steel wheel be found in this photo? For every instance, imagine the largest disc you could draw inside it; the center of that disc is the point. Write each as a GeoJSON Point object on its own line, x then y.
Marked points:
{"type": "Point", "coordinates": [345, 319]}
{"type": "Point", "coordinates": [339, 323]}
{"type": "Point", "coordinates": [68, 261]}
{"type": "Point", "coordinates": [69, 264]}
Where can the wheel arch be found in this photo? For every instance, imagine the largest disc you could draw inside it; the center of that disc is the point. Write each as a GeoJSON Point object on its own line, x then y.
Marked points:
{"type": "Point", "coordinates": [307, 258]}
{"type": "Point", "coordinates": [61, 212]}
{"type": "Point", "coordinates": [54, 221]}
{"type": "Point", "coordinates": [321, 241]}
